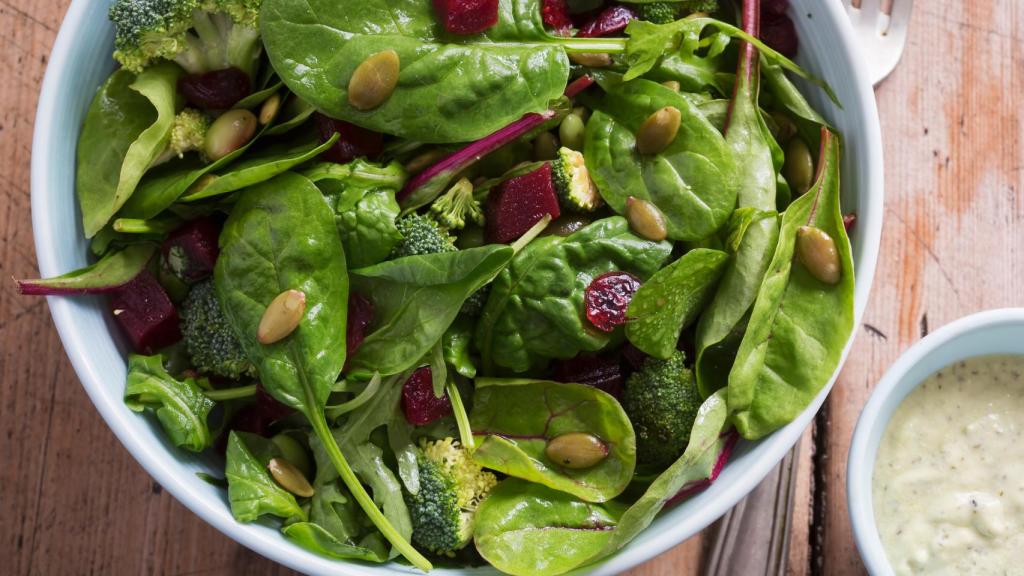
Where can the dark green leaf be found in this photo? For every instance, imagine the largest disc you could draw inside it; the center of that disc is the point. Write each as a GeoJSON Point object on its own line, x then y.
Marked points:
{"type": "Point", "coordinates": [316, 539]}
{"type": "Point", "coordinates": [180, 405]}
{"type": "Point", "coordinates": [457, 341]}
{"type": "Point", "coordinates": [115, 269]}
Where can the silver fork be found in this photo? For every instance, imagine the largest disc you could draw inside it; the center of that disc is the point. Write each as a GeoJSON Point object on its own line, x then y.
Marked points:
{"type": "Point", "coordinates": [881, 28]}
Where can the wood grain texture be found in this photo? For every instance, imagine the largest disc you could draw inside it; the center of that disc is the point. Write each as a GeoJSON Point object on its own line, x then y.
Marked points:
{"type": "Point", "coordinates": [74, 502]}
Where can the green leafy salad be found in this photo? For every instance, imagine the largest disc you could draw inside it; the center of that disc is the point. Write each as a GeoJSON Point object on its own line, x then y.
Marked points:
{"type": "Point", "coordinates": [463, 282]}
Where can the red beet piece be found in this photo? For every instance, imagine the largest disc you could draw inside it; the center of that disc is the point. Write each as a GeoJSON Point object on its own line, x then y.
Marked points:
{"type": "Point", "coordinates": [146, 314]}
{"type": "Point", "coordinates": [467, 16]}
{"type": "Point", "coordinates": [578, 85]}
{"type": "Point", "coordinates": [360, 314]}
{"type": "Point", "coordinates": [611, 20]}
{"type": "Point", "coordinates": [216, 90]}
{"type": "Point", "coordinates": [419, 404]}
{"type": "Point", "coordinates": [191, 250]}
{"type": "Point", "coordinates": [608, 297]}
{"type": "Point", "coordinates": [777, 30]}
{"type": "Point", "coordinates": [519, 203]}
{"type": "Point", "coordinates": [849, 221]}
{"type": "Point", "coordinates": [556, 14]}
{"type": "Point", "coordinates": [601, 372]}
{"type": "Point", "coordinates": [354, 141]}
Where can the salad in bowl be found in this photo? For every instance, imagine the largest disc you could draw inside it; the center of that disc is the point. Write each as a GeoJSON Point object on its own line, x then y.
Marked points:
{"type": "Point", "coordinates": [463, 282]}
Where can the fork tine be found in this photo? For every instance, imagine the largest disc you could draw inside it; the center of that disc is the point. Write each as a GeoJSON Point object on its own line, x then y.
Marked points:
{"type": "Point", "coordinates": [869, 10]}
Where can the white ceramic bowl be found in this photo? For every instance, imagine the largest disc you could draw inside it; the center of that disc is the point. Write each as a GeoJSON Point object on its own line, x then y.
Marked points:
{"type": "Point", "coordinates": [81, 61]}
{"type": "Point", "coordinates": [991, 332]}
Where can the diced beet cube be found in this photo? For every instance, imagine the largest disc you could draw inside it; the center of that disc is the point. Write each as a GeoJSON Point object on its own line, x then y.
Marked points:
{"type": "Point", "coordinates": [467, 16]}
{"type": "Point", "coordinates": [607, 299]}
{"type": "Point", "coordinates": [360, 314]}
{"type": "Point", "coordinates": [519, 203]}
{"type": "Point", "coordinates": [419, 404]}
{"type": "Point", "coordinates": [146, 314]}
{"type": "Point", "coordinates": [610, 21]}
{"type": "Point", "coordinates": [556, 14]}
{"type": "Point", "coordinates": [355, 142]}
{"type": "Point", "coordinates": [191, 251]}
{"type": "Point", "coordinates": [215, 90]}
{"type": "Point", "coordinates": [601, 372]}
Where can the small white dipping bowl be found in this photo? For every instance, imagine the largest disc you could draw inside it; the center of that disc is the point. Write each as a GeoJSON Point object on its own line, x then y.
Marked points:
{"type": "Point", "coordinates": [985, 333]}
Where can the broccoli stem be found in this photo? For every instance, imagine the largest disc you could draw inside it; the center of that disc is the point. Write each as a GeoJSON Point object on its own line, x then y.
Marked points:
{"type": "Point", "coordinates": [461, 418]}
{"type": "Point", "coordinates": [319, 422]}
{"type": "Point", "coordinates": [360, 399]}
{"type": "Point", "coordinates": [231, 393]}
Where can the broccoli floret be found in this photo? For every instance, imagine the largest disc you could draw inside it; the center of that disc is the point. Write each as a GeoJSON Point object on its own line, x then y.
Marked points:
{"type": "Point", "coordinates": [451, 487]}
{"type": "Point", "coordinates": [659, 12]}
{"type": "Point", "coordinates": [188, 132]}
{"type": "Point", "coordinates": [421, 235]}
{"type": "Point", "coordinates": [209, 338]}
{"type": "Point", "coordinates": [661, 400]}
{"type": "Point", "coordinates": [200, 35]}
{"type": "Point", "coordinates": [572, 182]}
{"type": "Point", "coordinates": [457, 206]}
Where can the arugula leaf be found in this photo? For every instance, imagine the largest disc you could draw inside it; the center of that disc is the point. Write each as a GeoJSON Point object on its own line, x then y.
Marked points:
{"type": "Point", "coordinates": [513, 441]}
{"type": "Point", "coordinates": [798, 326]}
{"type": "Point", "coordinates": [415, 300]}
{"type": "Point", "coordinates": [251, 490]}
{"type": "Point", "coordinates": [535, 308]}
{"type": "Point", "coordinates": [110, 273]}
{"type": "Point", "coordinates": [128, 125]}
{"type": "Point", "coordinates": [672, 299]}
{"type": "Point", "coordinates": [180, 405]}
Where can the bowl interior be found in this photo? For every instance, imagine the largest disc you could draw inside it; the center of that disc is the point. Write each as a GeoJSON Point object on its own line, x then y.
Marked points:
{"type": "Point", "coordinates": [81, 61]}
{"type": "Point", "coordinates": [984, 334]}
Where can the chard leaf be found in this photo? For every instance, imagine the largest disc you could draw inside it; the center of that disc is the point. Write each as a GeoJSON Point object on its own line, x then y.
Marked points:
{"type": "Point", "coordinates": [252, 492]}
{"type": "Point", "coordinates": [180, 405]}
{"type": "Point", "coordinates": [110, 273]}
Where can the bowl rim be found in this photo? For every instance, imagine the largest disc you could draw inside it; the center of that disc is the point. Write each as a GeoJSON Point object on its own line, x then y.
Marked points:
{"type": "Point", "coordinates": [719, 497]}
{"type": "Point", "coordinates": [885, 399]}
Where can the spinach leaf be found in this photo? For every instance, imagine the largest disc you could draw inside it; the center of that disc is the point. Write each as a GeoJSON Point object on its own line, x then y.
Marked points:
{"type": "Point", "coordinates": [799, 325]}
{"type": "Point", "coordinates": [415, 299]}
{"type": "Point", "coordinates": [672, 299]}
{"type": "Point", "coordinates": [315, 538]}
{"type": "Point", "coordinates": [693, 181]}
{"type": "Point", "coordinates": [111, 272]}
{"type": "Point", "coordinates": [456, 344]}
{"type": "Point", "coordinates": [262, 256]}
{"type": "Point", "coordinates": [260, 167]}
{"type": "Point", "coordinates": [699, 63]}
{"type": "Point", "coordinates": [450, 89]}
{"type": "Point", "coordinates": [535, 309]}
{"type": "Point", "coordinates": [789, 98]}
{"type": "Point", "coordinates": [180, 405]}
{"type": "Point", "coordinates": [363, 197]}
{"type": "Point", "coordinates": [251, 490]}
{"type": "Point", "coordinates": [524, 528]}
{"type": "Point", "coordinates": [515, 419]}
{"type": "Point", "coordinates": [127, 127]}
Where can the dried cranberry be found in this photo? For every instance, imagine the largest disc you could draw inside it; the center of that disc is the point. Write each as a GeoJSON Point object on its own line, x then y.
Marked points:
{"type": "Point", "coordinates": [354, 141]}
{"type": "Point", "coordinates": [849, 221]}
{"type": "Point", "coordinates": [216, 90]}
{"type": "Point", "coordinates": [467, 16]}
{"type": "Point", "coordinates": [611, 20]}
{"type": "Point", "coordinates": [777, 30]}
{"type": "Point", "coordinates": [608, 297]}
{"type": "Point", "coordinates": [419, 404]}
{"type": "Point", "coordinates": [601, 372]}
{"type": "Point", "coordinates": [773, 8]}
{"type": "Point", "coordinates": [360, 314]}
{"type": "Point", "coordinates": [556, 14]}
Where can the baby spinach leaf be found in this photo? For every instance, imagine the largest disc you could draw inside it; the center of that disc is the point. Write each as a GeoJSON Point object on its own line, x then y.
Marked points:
{"type": "Point", "coordinates": [789, 98]}
{"type": "Point", "coordinates": [260, 96]}
{"type": "Point", "coordinates": [251, 490]}
{"type": "Point", "coordinates": [259, 167]}
{"type": "Point", "coordinates": [524, 528]}
{"type": "Point", "coordinates": [672, 299]}
{"type": "Point", "coordinates": [111, 272]}
{"type": "Point", "coordinates": [262, 256]}
{"type": "Point", "coordinates": [450, 89]}
{"type": "Point", "coordinates": [127, 127]}
{"type": "Point", "coordinates": [315, 538]}
{"type": "Point", "coordinates": [180, 405]}
{"type": "Point", "coordinates": [415, 299]}
{"type": "Point", "coordinates": [799, 325]}
{"type": "Point", "coordinates": [513, 421]}
{"type": "Point", "coordinates": [535, 309]}
{"type": "Point", "coordinates": [693, 182]}
{"type": "Point", "coordinates": [456, 343]}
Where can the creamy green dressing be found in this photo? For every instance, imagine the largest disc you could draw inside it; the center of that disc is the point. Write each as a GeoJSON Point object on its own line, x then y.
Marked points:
{"type": "Point", "coordinates": [949, 478]}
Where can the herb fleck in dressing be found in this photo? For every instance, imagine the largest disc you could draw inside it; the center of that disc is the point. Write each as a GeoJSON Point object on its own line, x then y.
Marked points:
{"type": "Point", "coordinates": [949, 479]}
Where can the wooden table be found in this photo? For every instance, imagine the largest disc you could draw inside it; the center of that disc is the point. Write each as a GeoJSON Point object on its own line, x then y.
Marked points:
{"type": "Point", "coordinates": [73, 501]}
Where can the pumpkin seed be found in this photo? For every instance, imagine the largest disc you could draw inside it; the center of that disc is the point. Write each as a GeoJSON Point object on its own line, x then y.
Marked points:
{"type": "Point", "coordinates": [816, 250]}
{"type": "Point", "coordinates": [571, 132]}
{"type": "Point", "coordinates": [658, 131]}
{"type": "Point", "coordinates": [200, 184]}
{"type": "Point", "coordinates": [281, 317]}
{"type": "Point", "coordinates": [672, 85]}
{"type": "Point", "coordinates": [423, 161]}
{"type": "Point", "coordinates": [566, 225]}
{"type": "Point", "coordinates": [232, 130]}
{"type": "Point", "coordinates": [784, 127]}
{"type": "Point", "coordinates": [294, 452]}
{"type": "Point", "coordinates": [799, 166]}
{"type": "Point", "coordinates": [270, 109]}
{"type": "Point", "coordinates": [591, 59]}
{"type": "Point", "coordinates": [545, 147]}
{"type": "Point", "coordinates": [646, 219]}
{"type": "Point", "coordinates": [583, 112]}
{"type": "Point", "coordinates": [374, 80]}
{"type": "Point", "coordinates": [576, 450]}
{"type": "Point", "coordinates": [288, 477]}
